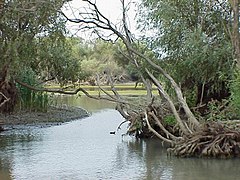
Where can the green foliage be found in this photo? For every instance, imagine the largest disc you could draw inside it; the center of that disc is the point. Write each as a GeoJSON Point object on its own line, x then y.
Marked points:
{"type": "Point", "coordinates": [227, 108]}
{"type": "Point", "coordinates": [55, 59]}
{"type": "Point", "coordinates": [21, 22]}
{"type": "Point", "coordinates": [191, 40]}
{"type": "Point", "coordinates": [191, 97]}
{"type": "Point", "coordinates": [215, 111]}
{"type": "Point", "coordinates": [29, 99]}
{"type": "Point", "coordinates": [130, 66]}
{"type": "Point", "coordinates": [33, 44]}
{"type": "Point", "coordinates": [235, 94]}
{"type": "Point", "coordinates": [99, 57]}
{"type": "Point", "coordinates": [33, 36]}
{"type": "Point", "coordinates": [170, 120]}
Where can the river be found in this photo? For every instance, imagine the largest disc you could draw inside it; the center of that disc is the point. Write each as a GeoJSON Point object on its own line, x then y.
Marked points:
{"type": "Point", "coordinates": [85, 149]}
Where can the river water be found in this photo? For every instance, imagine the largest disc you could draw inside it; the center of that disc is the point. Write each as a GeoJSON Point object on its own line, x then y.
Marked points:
{"type": "Point", "coordinates": [85, 149]}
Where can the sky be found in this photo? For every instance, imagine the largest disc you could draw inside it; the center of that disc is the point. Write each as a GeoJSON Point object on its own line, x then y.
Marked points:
{"type": "Point", "coordinates": [111, 9]}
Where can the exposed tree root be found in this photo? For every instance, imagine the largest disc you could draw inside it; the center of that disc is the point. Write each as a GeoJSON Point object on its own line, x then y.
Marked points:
{"type": "Point", "coordinates": [211, 140]}
{"type": "Point", "coordinates": [150, 122]}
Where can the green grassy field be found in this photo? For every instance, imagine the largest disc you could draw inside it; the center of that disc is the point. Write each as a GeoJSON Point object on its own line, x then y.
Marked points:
{"type": "Point", "coordinates": [123, 89]}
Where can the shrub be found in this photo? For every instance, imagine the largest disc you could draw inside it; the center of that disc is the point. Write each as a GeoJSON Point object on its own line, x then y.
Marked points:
{"type": "Point", "coordinates": [235, 93]}
{"type": "Point", "coordinates": [28, 99]}
{"type": "Point", "coordinates": [170, 120]}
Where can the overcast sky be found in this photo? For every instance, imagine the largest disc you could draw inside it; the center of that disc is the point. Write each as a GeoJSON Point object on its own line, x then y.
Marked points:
{"type": "Point", "coordinates": [110, 8]}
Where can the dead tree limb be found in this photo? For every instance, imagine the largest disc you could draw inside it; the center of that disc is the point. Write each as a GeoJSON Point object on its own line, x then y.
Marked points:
{"type": "Point", "coordinates": [95, 19]}
{"type": "Point", "coordinates": [66, 92]}
{"type": "Point", "coordinates": [6, 99]}
{"type": "Point", "coordinates": [177, 89]}
{"type": "Point", "coordinates": [168, 134]}
{"type": "Point", "coordinates": [155, 132]}
{"type": "Point", "coordinates": [170, 102]}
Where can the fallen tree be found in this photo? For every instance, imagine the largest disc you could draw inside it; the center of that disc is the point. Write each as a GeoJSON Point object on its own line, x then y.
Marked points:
{"type": "Point", "coordinates": [188, 137]}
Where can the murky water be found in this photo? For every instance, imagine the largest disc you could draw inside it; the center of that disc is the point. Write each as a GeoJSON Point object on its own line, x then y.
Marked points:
{"type": "Point", "coordinates": [84, 149]}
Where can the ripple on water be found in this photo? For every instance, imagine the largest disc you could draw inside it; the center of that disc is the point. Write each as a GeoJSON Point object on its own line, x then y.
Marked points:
{"type": "Point", "coordinates": [84, 149]}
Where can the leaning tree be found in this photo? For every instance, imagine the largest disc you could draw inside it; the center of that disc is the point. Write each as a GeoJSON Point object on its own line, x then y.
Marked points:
{"type": "Point", "coordinates": [189, 137]}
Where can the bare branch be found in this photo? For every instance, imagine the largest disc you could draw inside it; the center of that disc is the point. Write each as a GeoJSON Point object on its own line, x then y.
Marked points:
{"type": "Point", "coordinates": [103, 89]}
{"type": "Point", "coordinates": [163, 128]}
{"type": "Point", "coordinates": [155, 132]}
{"type": "Point", "coordinates": [119, 108]}
{"type": "Point", "coordinates": [4, 101]}
{"type": "Point", "coordinates": [177, 89]}
{"type": "Point", "coordinates": [95, 19]}
{"type": "Point", "coordinates": [60, 91]}
{"type": "Point", "coordinates": [170, 102]}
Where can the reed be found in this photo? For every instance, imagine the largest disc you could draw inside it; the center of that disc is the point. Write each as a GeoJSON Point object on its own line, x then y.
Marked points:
{"type": "Point", "coordinates": [30, 100]}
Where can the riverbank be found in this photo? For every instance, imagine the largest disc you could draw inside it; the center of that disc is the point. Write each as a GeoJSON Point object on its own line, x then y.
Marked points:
{"type": "Point", "coordinates": [54, 115]}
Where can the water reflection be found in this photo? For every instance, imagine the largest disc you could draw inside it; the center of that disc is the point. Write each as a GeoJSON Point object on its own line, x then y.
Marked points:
{"type": "Point", "coordinates": [13, 144]}
{"type": "Point", "coordinates": [84, 149]}
{"type": "Point", "coordinates": [152, 163]}
{"type": "Point", "coordinates": [5, 159]}
{"type": "Point", "coordinates": [5, 169]}
{"type": "Point", "coordinates": [201, 169]}
{"type": "Point", "coordinates": [91, 105]}
{"type": "Point", "coordinates": [148, 158]}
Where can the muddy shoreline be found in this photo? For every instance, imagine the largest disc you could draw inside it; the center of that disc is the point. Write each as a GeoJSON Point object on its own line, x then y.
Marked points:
{"type": "Point", "coordinates": [54, 116]}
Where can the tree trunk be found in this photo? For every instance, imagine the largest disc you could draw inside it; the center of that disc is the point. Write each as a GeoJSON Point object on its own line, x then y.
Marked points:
{"type": "Point", "coordinates": [1, 5]}
{"type": "Point", "coordinates": [235, 31]}
{"type": "Point", "coordinates": [8, 92]}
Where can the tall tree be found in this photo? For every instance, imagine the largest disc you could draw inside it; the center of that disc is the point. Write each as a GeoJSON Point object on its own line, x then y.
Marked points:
{"type": "Point", "coordinates": [235, 30]}
{"type": "Point", "coordinates": [24, 28]}
{"type": "Point", "coordinates": [192, 37]}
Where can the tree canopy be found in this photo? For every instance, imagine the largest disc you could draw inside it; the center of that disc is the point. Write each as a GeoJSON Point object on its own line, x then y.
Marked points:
{"type": "Point", "coordinates": [32, 38]}
{"type": "Point", "coordinates": [32, 35]}
{"type": "Point", "coordinates": [194, 38]}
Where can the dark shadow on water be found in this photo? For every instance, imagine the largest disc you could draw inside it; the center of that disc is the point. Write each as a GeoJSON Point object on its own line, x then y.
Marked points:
{"type": "Point", "coordinates": [151, 161]}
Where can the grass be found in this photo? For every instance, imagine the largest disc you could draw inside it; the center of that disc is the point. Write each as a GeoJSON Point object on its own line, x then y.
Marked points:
{"type": "Point", "coordinates": [123, 89]}
{"type": "Point", "coordinates": [122, 92]}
